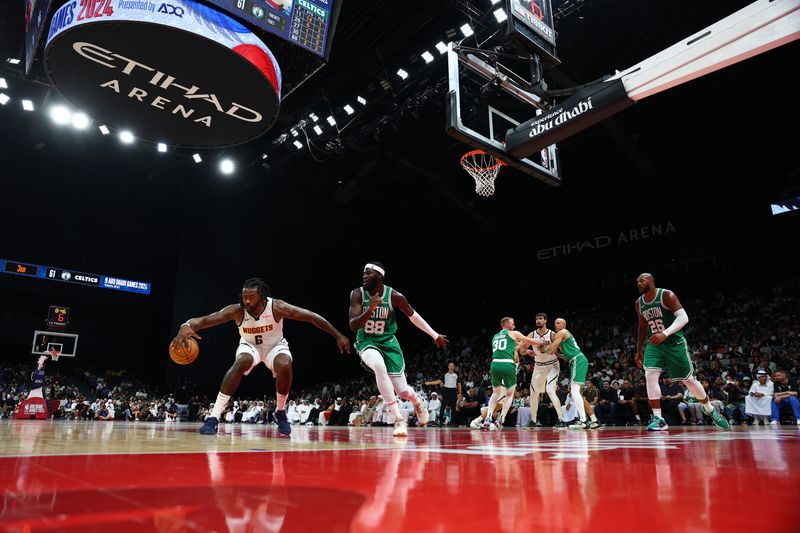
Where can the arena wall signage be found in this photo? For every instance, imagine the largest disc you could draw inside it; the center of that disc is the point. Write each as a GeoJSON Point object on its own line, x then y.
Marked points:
{"type": "Point", "coordinates": [176, 72]}
{"type": "Point", "coordinates": [623, 237]}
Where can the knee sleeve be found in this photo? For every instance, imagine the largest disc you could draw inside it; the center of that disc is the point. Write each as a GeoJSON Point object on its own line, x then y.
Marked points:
{"type": "Point", "coordinates": [653, 389]}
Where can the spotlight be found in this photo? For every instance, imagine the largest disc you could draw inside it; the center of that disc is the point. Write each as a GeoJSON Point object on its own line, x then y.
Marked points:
{"type": "Point", "coordinates": [313, 117]}
{"type": "Point", "coordinates": [427, 56]}
{"type": "Point", "coordinates": [361, 100]}
{"type": "Point", "coordinates": [80, 121]}
{"type": "Point", "coordinates": [441, 47]}
{"type": "Point", "coordinates": [500, 15]}
{"type": "Point", "coordinates": [13, 61]}
{"type": "Point", "coordinates": [331, 121]}
{"type": "Point", "coordinates": [227, 166]}
{"type": "Point", "coordinates": [495, 2]}
{"type": "Point", "coordinates": [298, 145]}
{"type": "Point", "coordinates": [402, 73]}
{"type": "Point", "coordinates": [162, 147]}
{"type": "Point", "coordinates": [349, 109]}
{"type": "Point", "coordinates": [60, 114]}
{"type": "Point", "coordinates": [104, 129]}
{"type": "Point", "coordinates": [126, 137]}
{"type": "Point", "coordinates": [294, 133]}
{"type": "Point", "coordinates": [318, 130]}
{"type": "Point", "coordinates": [4, 99]}
{"type": "Point", "coordinates": [3, 84]}
{"type": "Point", "coordinates": [466, 30]}
{"type": "Point", "coordinates": [27, 105]}
{"type": "Point", "coordinates": [197, 158]}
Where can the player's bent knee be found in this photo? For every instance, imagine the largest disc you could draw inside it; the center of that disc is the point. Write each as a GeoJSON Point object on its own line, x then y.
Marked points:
{"type": "Point", "coordinates": [281, 362]}
{"type": "Point", "coordinates": [243, 362]}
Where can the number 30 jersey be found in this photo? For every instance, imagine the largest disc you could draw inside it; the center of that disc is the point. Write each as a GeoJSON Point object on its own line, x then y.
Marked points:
{"type": "Point", "coordinates": [381, 324]}
{"type": "Point", "coordinates": [262, 332]}
{"type": "Point", "coordinates": [658, 317]}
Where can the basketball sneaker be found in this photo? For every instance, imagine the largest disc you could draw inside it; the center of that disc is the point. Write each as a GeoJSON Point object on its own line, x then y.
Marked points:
{"type": "Point", "coordinates": [657, 424]}
{"type": "Point", "coordinates": [560, 425]}
{"type": "Point", "coordinates": [284, 427]}
{"type": "Point", "coordinates": [476, 424]}
{"type": "Point", "coordinates": [400, 428]}
{"type": "Point", "coordinates": [422, 414]}
{"type": "Point", "coordinates": [209, 427]}
{"type": "Point", "coordinates": [594, 424]}
{"type": "Point", "coordinates": [578, 424]}
{"type": "Point", "coordinates": [720, 421]}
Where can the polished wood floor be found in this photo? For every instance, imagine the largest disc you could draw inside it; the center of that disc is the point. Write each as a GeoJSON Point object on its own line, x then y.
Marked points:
{"type": "Point", "coordinates": [112, 476]}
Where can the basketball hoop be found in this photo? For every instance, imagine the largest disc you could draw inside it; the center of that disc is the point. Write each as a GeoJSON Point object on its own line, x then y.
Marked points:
{"type": "Point", "coordinates": [484, 168]}
{"type": "Point", "coordinates": [54, 354]}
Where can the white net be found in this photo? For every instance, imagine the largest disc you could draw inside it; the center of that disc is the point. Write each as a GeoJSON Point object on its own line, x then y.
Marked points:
{"type": "Point", "coordinates": [483, 168]}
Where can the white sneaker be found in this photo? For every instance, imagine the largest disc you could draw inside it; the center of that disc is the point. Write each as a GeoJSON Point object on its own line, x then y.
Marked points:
{"type": "Point", "coordinates": [798, 421]}
{"type": "Point", "coordinates": [400, 428]}
{"type": "Point", "coordinates": [476, 424]}
{"type": "Point", "coordinates": [493, 426]}
{"type": "Point", "coordinates": [422, 414]}
{"type": "Point", "coordinates": [578, 425]}
{"type": "Point", "coordinates": [774, 423]}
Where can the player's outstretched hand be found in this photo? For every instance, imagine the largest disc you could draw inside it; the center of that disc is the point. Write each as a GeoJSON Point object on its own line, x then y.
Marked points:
{"type": "Point", "coordinates": [183, 334]}
{"type": "Point", "coordinates": [441, 341]}
{"type": "Point", "coordinates": [42, 359]}
{"type": "Point", "coordinates": [343, 343]}
{"type": "Point", "coordinates": [639, 360]}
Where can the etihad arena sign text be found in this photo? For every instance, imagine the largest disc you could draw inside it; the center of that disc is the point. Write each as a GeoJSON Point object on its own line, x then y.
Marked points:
{"type": "Point", "coordinates": [176, 72]}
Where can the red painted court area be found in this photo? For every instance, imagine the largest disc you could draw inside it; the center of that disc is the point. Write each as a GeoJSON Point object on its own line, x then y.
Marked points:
{"type": "Point", "coordinates": [67, 476]}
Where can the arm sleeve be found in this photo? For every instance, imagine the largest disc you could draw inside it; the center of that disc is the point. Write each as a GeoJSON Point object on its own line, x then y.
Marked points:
{"type": "Point", "coordinates": [421, 324]}
{"type": "Point", "coordinates": [681, 319]}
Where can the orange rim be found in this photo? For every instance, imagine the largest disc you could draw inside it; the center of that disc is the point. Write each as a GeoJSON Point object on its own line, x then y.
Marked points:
{"type": "Point", "coordinates": [498, 163]}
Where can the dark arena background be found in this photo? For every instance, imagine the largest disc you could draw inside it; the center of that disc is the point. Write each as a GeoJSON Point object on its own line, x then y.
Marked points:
{"type": "Point", "coordinates": [325, 147]}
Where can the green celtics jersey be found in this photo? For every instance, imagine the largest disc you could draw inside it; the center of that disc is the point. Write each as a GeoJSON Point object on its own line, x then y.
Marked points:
{"type": "Point", "coordinates": [570, 348]}
{"type": "Point", "coordinates": [658, 317]}
{"type": "Point", "coordinates": [502, 346]}
{"type": "Point", "coordinates": [382, 324]}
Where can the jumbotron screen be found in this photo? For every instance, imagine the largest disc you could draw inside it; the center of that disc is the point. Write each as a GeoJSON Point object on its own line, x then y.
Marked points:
{"type": "Point", "coordinates": [308, 24]}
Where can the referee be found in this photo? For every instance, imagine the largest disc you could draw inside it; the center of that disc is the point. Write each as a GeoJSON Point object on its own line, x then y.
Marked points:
{"type": "Point", "coordinates": [451, 391]}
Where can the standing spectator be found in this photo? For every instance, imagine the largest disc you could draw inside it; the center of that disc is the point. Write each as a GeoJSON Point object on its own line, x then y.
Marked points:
{"type": "Point", "coordinates": [451, 390]}
{"type": "Point", "coordinates": [785, 394]}
{"type": "Point", "coordinates": [759, 399]}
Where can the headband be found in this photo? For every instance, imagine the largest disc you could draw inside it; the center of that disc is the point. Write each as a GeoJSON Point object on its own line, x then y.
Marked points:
{"type": "Point", "coordinates": [376, 268]}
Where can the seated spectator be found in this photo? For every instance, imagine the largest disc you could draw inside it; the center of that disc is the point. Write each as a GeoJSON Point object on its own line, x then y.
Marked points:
{"type": "Point", "coordinates": [607, 405]}
{"type": "Point", "coordinates": [759, 399]}
{"type": "Point", "coordinates": [434, 406]}
{"type": "Point", "coordinates": [671, 397]}
{"type": "Point", "coordinates": [785, 394]}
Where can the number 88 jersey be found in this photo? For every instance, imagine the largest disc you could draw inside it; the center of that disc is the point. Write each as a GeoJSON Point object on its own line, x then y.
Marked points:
{"type": "Point", "coordinates": [381, 324]}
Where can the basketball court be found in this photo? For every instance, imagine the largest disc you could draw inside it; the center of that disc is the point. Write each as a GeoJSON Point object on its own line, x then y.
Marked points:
{"type": "Point", "coordinates": [118, 476]}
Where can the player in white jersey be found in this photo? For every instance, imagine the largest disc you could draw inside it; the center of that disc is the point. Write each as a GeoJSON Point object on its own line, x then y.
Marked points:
{"type": "Point", "coordinates": [260, 321]}
{"type": "Point", "coordinates": [545, 373]}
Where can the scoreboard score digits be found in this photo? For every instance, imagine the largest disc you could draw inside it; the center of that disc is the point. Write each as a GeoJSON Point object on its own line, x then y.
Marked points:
{"type": "Point", "coordinates": [308, 24]}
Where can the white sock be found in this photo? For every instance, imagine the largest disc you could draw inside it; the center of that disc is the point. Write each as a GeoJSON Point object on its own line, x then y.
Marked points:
{"type": "Point", "coordinates": [551, 392]}
{"type": "Point", "coordinates": [534, 406]}
{"type": "Point", "coordinates": [492, 404]}
{"type": "Point", "coordinates": [393, 409]}
{"type": "Point", "coordinates": [593, 417]}
{"type": "Point", "coordinates": [219, 405]}
{"type": "Point", "coordinates": [507, 404]}
{"type": "Point", "coordinates": [657, 412]}
{"type": "Point", "coordinates": [575, 392]}
{"type": "Point", "coordinates": [281, 404]}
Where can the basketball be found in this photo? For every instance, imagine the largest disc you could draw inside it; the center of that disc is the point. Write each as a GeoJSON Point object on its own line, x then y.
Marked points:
{"type": "Point", "coordinates": [184, 356]}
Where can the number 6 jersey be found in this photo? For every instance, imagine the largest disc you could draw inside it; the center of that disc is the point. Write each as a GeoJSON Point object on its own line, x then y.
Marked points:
{"type": "Point", "coordinates": [381, 324]}
{"type": "Point", "coordinates": [262, 332]}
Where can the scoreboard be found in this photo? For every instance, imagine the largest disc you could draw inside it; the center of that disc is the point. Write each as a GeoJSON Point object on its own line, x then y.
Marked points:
{"type": "Point", "coordinates": [72, 276]}
{"type": "Point", "coordinates": [308, 24]}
